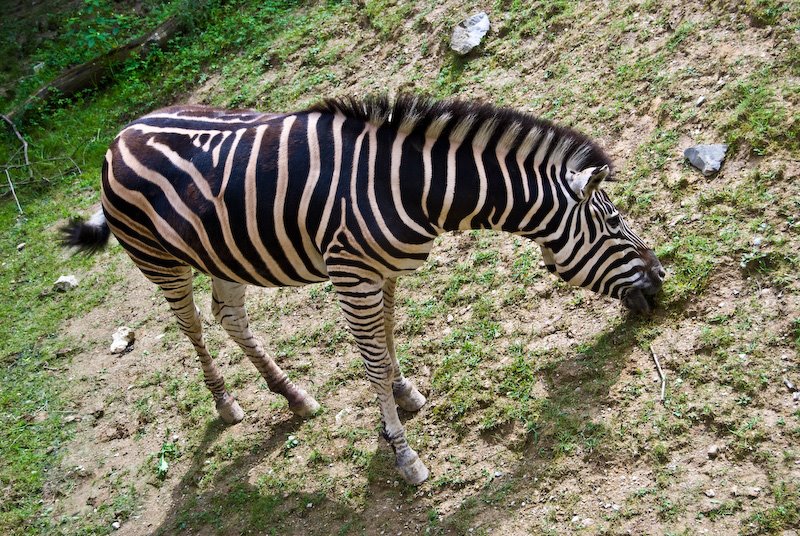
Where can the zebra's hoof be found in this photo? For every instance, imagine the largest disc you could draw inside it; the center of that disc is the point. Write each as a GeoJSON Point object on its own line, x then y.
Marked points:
{"type": "Point", "coordinates": [411, 400]}
{"type": "Point", "coordinates": [229, 410]}
{"type": "Point", "coordinates": [306, 407]}
{"type": "Point", "coordinates": [414, 473]}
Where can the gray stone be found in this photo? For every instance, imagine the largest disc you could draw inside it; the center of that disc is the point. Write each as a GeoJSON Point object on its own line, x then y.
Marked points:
{"type": "Point", "coordinates": [706, 158]}
{"type": "Point", "coordinates": [65, 283]}
{"type": "Point", "coordinates": [713, 451]}
{"type": "Point", "coordinates": [468, 34]}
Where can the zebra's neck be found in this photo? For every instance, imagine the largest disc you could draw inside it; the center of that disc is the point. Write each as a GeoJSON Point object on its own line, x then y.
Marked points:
{"type": "Point", "coordinates": [462, 165]}
{"type": "Point", "coordinates": [483, 181]}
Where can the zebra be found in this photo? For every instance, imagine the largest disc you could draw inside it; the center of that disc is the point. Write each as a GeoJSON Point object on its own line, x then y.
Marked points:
{"type": "Point", "coordinates": [353, 191]}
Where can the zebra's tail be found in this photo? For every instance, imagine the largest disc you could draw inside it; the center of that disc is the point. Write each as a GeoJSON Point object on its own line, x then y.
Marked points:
{"type": "Point", "coordinates": [87, 237]}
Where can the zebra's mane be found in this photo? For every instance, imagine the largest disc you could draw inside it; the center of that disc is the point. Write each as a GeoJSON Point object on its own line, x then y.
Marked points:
{"type": "Point", "coordinates": [413, 114]}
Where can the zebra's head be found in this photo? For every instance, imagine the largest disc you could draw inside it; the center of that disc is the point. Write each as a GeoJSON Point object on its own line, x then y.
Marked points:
{"type": "Point", "coordinates": [596, 249]}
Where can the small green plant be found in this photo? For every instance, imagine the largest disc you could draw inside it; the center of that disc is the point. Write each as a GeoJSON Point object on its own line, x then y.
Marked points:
{"type": "Point", "coordinates": [168, 452]}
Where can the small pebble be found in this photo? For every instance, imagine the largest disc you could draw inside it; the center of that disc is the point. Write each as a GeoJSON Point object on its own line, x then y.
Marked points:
{"type": "Point", "coordinates": [700, 101]}
{"type": "Point", "coordinates": [21, 246]}
{"type": "Point", "coordinates": [116, 525]}
{"type": "Point", "coordinates": [753, 492]}
{"type": "Point", "coordinates": [309, 505]}
{"type": "Point", "coordinates": [713, 451]}
{"type": "Point", "coordinates": [796, 396]}
{"type": "Point", "coordinates": [710, 493]}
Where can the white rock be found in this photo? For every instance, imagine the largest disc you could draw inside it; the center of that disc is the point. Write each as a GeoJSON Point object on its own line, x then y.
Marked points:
{"type": "Point", "coordinates": [710, 493]}
{"type": "Point", "coordinates": [123, 338]}
{"type": "Point", "coordinates": [468, 34]}
{"type": "Point", "coordinates": [713, 451]}
{"type": "Point", "coordinates": [21, 246]}
{"type": "Point", "coordinates": [65, 283]}
{"type": "Point", "coordinates": [700, 100]}
{"type": "Point", "coordinates": [116, 525]}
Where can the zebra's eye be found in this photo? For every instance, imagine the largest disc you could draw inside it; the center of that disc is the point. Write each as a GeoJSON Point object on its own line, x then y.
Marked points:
{"type": "Point", "coordinates": [613, 221]}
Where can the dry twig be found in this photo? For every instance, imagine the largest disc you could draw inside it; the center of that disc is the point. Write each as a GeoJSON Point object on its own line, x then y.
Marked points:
{"type": "Point", "coordinates": [11, 185]}
{"type": "Point", "coordinates": [24, 145]}
{"type": "Point", "coordinates": [660, 375]}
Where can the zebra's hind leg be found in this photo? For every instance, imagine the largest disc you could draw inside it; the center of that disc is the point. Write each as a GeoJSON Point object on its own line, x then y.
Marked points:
{"type": "Point", "coordinates": [177, 289]}
{"type": "Point", "coordinates": [229, 309]}
{"type": "Point", "coordinates": [363, 306]}
{"type": "Point", "coordinates": [405, 393]}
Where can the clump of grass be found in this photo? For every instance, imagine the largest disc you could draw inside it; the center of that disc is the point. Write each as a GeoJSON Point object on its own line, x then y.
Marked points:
{"type": "Point", "coordinates": [784, 514]}
{"type": "Point", "coordinates": [757, 117]}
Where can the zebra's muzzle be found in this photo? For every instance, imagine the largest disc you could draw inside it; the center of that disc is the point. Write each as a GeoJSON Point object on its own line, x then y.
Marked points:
{"type": "Point", "coordinates": [639, 301]}
{"type": "Point", "coordinates": [641, 298]}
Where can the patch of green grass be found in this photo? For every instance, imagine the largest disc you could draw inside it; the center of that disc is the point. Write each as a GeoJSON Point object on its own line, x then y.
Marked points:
{"type": "Point", "coordinates": [783, 515]}
{"type": "Point", "coordinates": [757, 117]}
{"type": "Point", "coordinates": [764, 12]}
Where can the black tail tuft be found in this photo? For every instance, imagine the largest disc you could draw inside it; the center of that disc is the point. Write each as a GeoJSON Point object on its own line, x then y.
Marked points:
{"type": "Point", "coordinates": [86, 237]}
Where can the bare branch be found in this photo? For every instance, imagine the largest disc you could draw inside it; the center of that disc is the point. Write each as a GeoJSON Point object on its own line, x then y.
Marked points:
{"type": "Point", "coordinates": [24, 144]}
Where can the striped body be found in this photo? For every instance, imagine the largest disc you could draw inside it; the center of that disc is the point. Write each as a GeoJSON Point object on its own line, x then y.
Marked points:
{"type": "Point", "coordinates": [355, 192]}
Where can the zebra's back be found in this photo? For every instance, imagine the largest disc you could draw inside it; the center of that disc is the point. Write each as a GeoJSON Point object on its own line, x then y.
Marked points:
{"type": "Point", "coordinates": [220, 191]}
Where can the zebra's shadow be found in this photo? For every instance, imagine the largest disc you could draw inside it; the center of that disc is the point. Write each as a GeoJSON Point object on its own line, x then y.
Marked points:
{"type": "Point", "coordinates": [578, 389]}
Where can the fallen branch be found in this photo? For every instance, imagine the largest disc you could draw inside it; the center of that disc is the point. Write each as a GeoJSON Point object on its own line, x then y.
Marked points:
{"type": "Point", "coordinates": [92, 73]}
{"type": "Point", "coordinates": [22, 140]}
{"type": "Point", "coordinates": [660, 375]}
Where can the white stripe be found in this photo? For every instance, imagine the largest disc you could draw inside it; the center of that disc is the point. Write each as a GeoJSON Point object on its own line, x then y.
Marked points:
{"type": "Point", "coordinates": [338, 122]}
{"type": "Point", "coordinates": [397, 152]}
{"type": "Point", "coordinates": [278, 215]}
{"type": "Point", "coordinates": [251, 210]}
{"type": "Point", "coordinates": [308, 191]}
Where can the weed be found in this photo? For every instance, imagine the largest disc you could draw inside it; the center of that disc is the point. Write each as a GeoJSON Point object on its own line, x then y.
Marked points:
{"type": "Point", "coordinates": [169, 451]}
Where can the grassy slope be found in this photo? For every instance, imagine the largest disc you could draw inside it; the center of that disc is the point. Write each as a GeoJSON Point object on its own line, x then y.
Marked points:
{"type": "Point", "coordinates": [630, 72]}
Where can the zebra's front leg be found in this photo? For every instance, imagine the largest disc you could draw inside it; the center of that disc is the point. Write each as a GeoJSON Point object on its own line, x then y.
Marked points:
{"type": "Point", "coordinates": [363, 306]}
{"type": "Point", "coordinates": [405, 393]}
{"type": "Point", "coordinates": [228, 307]}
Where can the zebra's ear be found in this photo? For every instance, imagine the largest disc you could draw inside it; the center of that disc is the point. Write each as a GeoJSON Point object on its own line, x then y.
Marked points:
{"type": "Point", "coordinates": [587, 181]}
